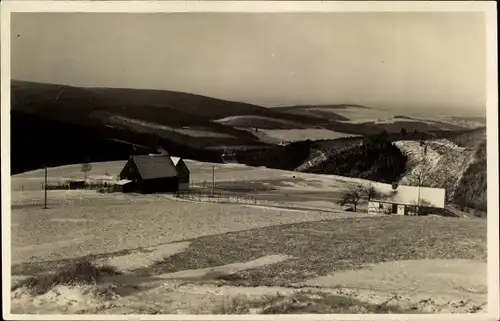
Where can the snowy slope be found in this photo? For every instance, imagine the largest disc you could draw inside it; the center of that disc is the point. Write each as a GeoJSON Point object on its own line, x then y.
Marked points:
{"type": "Point", "coordinates": [445, 163]}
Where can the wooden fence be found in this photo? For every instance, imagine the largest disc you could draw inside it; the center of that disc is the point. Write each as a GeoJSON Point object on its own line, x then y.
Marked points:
{"type": "Point", "coordinates": [65, 185]}
{"type": "Point", "coordinates": [218, 197]}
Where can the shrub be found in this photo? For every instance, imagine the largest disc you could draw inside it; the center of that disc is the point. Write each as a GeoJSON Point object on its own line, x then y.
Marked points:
{"type": "Point", "coordinates": [79, 272]}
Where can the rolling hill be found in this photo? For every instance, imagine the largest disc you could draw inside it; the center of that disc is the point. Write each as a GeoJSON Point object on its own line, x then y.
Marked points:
{"type": "Point", "coordinates": [37, 141]}
{"type": "Point", "coordinates": [261, 122]}
{"type": "Point", "coordinates": [334, 107]}
{"type": "Point", "coordinates": [91, 124]}
{"type": "Point", "coordinates": [181, 108]}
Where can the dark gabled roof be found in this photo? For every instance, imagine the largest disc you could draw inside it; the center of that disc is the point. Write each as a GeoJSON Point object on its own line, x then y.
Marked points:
{"type": "Point", "coordinates": [154, 166]}
{"type": "Point", "coordinates": [178, 161]}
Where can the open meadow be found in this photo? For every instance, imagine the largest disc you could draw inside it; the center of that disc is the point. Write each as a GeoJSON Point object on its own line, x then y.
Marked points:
{"type": "Point", "coordinates": [295, 251]}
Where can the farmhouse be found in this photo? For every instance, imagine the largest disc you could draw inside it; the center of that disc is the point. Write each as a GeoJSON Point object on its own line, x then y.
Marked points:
{"type": "Point", "coordinates": [150, 174]}
{"type": "Point", "coordinates": [404, 199]}
{"type": "Point", "coordinates": [182, 173]}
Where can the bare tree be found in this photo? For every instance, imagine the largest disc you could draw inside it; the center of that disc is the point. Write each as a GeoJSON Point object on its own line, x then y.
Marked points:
{"type": "Point", "coordinates": [370, 192]}
{"type": "Point", "coordinates": [422, 174]}
{"type": "Point", "coordinates": [86, 168]}
{"type": "Point", "coordinates": [352, 196]}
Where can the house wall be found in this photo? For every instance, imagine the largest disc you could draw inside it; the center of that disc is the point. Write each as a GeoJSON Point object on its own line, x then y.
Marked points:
{"type": "Point", "coordinates": [129, 171]}
{"type": "Point", "coordinates": [385, 208]}
{"type": "Point", "coordinates": [373, 207]}
{"type": "Point", "coordinates": [183, 176]}
{"type": "Point", "coordinates": [125, 188]}
{"type": "Point", "coordinates": [183, 186]}
{"type": "Point", "coordinates": [160, 185]}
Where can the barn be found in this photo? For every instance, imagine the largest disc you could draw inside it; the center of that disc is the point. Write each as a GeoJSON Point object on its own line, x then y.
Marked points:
{"type": "Point", "coordinates": [151, 174]}
{"type": "Point", "coordinates": [182, 172]}
{"type": "Point", "coordinates": [403, 200]}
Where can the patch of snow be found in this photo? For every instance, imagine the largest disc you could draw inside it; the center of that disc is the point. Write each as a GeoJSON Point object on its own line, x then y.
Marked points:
{"type": "Point", "coordinates": [438, 276]}
{"type": "Point", "coordinates": [228, 268]}
{"type": "Point", "coordinates": [244, 117]}
{"type": "Point", "coordinates": [61, 299]}
{"type": "Point", "coordinates": [146, 257]}
{"type": "Point", "coordinates": [292, 135]}
{"type": "Point", "coordinates": [71, 220]}
{"type": "Point", "coordinates": [155, 126]}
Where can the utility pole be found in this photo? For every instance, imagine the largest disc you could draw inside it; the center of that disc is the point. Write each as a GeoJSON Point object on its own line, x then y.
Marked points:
{"type": "Point", "coordinates": [418, 197]}
{"type": "Point", "coordinates": [421, 178]}
{"type": "Point", "coordinates": [213, 180]}
{"type": "Point", "coordinates": [45, 188]}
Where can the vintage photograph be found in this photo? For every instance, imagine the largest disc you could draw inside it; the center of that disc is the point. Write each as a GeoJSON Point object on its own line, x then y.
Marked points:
{"type": "Point", "coordinates": [248, 163]}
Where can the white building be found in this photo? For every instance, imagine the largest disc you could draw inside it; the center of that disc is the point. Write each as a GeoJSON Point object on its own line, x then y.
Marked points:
{"type": "Point", "coordinates": [404, 200]}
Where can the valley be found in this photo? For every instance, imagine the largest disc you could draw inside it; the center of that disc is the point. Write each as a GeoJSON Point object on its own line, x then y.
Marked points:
{"type": "Point", "coordinates": [109, 124]}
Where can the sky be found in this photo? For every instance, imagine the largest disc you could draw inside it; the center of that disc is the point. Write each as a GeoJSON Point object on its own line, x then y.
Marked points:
{"type": "Point", "coordinates": [395, 60]}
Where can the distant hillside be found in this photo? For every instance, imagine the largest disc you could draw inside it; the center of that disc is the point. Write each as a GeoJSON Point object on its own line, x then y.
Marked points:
{"type": "Point", "coordinates": [261, 122]}
{"type": "Point", "coordinates": [471, 190]}
{"type": "Point", "coordinates": [178, 110]}
{"type": "Point", "coordinates": [193, 126]}
{"type": "Point", "coordinates": [36, 141]}
{"type": "Point", "coordinates": [183, 108]}
{"type": "Point", "coordinates": [334, 106]}
{"type": "Point", "coordinates": [414, 125]}
{"type": "Point", "coordinates": [320, 113]}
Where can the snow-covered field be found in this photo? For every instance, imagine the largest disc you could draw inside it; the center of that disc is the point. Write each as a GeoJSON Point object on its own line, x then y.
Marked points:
{"type": "Point", "coordinates": [73, 217]}
{"type": "Point", "coordinates": [387, 116]}
{"type": "Point", "coordinates": [149, 126]}
{"type": "Point", "coordinates": [250, 118]}
{"type": "Point", "coordinates": [84, 223]}
{"type": "Point", "coordinates": [155, 227]}
{"type": "Point", "coordinates": [444, 286]}
{"type": "Point", "coordinates": [293, 135]}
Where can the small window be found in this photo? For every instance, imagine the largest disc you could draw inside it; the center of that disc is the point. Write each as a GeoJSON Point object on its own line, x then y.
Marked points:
{"type": "Point", "coordinates": [380, 205]}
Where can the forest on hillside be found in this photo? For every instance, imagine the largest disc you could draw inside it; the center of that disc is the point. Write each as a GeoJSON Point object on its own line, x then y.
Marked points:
{"type": "Point", "coordinates": [377, 158]}
{"type": "Point", "coordinates": [286, 157]}
{"type": "Point", "coordinates": [55, 143]}
{"type": "Point", "coordinates": [472, 187]}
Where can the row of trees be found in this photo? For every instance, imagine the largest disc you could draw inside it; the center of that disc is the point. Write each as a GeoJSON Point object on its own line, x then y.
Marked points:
{"type": "Point", "coordinates": [356, 194]}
